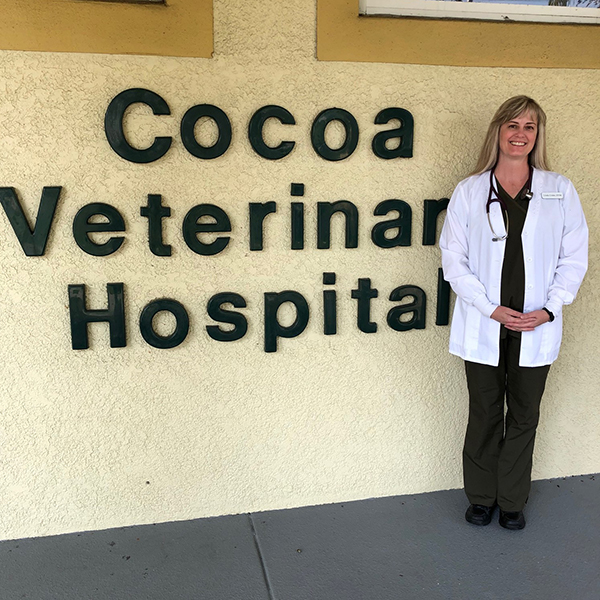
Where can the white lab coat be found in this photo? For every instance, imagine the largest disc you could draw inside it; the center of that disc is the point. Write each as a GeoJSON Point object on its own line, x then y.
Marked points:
{"type": "Point", "coordinates": [555, 247]}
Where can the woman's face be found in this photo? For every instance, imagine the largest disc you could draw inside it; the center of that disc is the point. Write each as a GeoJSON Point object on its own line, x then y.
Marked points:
{"type": "Point", "coordinates": [517, 137]}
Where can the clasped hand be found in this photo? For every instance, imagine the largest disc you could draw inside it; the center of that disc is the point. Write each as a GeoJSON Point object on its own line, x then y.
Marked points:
{"type": "Point", "coordinates": [516, 321]}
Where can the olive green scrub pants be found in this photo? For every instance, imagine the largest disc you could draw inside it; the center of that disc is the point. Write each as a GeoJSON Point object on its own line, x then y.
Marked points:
{"type": "Point", "coordinates": [497, 457]}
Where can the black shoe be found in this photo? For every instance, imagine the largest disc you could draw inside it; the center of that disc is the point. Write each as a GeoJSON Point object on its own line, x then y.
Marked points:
{"type": "Point", "coordinates": [512, 520]}
{"type": "Point", "coordinates": [479, 514]}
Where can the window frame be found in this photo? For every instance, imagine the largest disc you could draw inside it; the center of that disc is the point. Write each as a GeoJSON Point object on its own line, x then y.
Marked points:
{"type": "Point", "coordinates": [486, 10]}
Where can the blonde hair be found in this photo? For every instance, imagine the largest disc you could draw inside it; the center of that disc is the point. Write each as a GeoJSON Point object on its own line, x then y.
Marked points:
{"type": "Point", "coordinates": [509, 110]}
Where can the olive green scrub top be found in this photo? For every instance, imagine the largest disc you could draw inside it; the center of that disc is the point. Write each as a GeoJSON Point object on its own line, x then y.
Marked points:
{"type": "Point", "coordinates": [512, 287]}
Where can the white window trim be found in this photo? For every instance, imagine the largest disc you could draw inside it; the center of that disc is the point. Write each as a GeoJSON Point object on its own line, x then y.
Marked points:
{"type": "Point", "coordinates": [130, 1]}
{"type": "Point", "coordinates": [489, 10]}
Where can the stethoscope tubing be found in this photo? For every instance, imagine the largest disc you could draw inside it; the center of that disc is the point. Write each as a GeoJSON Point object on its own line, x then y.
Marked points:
{"type": "Point", "coordinates": [491, 200]}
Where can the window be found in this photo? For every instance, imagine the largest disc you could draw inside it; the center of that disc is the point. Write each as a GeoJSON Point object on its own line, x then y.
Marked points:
{"type": "Point", "coordinates": [541, 11]}
{"type": "Point", "coordinates": [344, 34]}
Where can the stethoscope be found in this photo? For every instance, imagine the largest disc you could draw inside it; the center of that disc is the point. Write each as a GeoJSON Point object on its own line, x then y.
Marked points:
{"type": "Point", "coordinates": [528, 195]}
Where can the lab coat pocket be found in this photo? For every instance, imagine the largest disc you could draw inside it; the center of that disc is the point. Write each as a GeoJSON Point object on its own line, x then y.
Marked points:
{"type": "Point", "coordinates": [472, 328]}
{"type": "Point", "coordinates": [550, 339]}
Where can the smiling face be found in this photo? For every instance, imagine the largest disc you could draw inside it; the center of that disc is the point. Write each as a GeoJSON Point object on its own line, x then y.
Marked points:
{"type": "Point", "coordinates": [517, 136]}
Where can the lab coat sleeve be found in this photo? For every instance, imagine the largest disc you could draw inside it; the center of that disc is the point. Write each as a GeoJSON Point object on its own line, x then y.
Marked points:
{"type": "Point", "coordinates": [454, 244]}
{"type": "Point", "coordinates": [573, 255]}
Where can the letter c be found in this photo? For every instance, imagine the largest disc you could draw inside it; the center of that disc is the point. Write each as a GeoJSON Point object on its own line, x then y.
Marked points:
{"type": "Point", "coordinates": [113, 125]}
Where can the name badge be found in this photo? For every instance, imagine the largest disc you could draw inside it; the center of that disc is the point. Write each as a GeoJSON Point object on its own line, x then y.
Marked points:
{"type": "Point", "coordinates": [552, 195]}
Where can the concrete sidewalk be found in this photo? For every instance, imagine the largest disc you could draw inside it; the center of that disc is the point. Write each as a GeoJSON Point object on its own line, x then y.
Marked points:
{"type": "Point", "coordinates": [415, 547]}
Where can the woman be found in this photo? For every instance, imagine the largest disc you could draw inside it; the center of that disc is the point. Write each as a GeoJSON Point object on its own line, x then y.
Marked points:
{"type": "Point", "coordinates": [514, 249]}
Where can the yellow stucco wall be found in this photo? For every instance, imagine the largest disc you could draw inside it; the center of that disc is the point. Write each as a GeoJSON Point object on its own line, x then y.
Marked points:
{"type": "Point", "coordinates": [344, 35]}
{"type": "Point", "coordinates": [177, 28]}
{"type": "Point", "coordinates": [107, 437]}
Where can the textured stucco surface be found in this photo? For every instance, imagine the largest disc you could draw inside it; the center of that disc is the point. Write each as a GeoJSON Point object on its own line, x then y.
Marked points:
{"type": "Point", "coordinates": [110, 437]}
{"type": "Point", "coordinates": [179, 28]}
{"type": "Point", "coordinates": [452, 42]}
